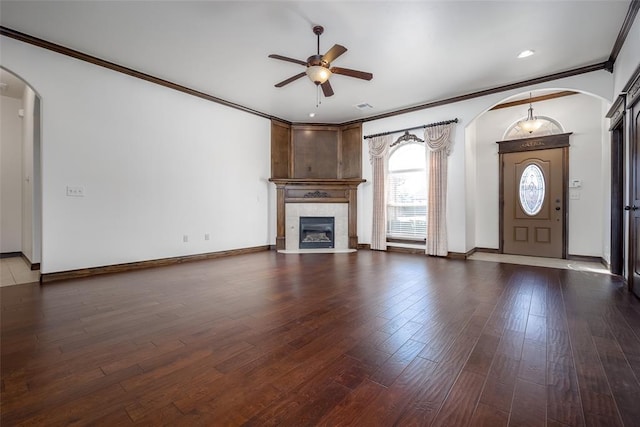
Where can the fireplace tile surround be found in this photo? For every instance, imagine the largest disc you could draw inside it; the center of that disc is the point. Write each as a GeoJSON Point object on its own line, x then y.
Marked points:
{"type": "Point", "coordinates": [339, 211]}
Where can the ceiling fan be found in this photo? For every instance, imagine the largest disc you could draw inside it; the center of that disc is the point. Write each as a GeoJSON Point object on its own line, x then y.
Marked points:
{"type": "Point", "coordinates": [319, 68]}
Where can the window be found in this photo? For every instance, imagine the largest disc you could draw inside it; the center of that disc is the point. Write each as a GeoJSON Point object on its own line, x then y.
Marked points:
{"type": "Point", "coordinates": [407, 193]}
{"type": "Point", "coordinates": [532, 189]}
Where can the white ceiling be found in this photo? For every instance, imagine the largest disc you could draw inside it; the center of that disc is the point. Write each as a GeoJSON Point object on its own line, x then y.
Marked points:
{"type": "Point", "coordinates": [418, 51]}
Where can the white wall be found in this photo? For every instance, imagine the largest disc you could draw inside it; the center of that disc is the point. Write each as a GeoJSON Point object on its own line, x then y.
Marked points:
{"type": "Point", "coordinates": [606, 184]}
{"type": "Point", "coordinates": [155, 164]}
{"type": "Point", "coordinates": [580, 114]}
{"type": "Point", "coordinates": [472, 183]}
{"type": "Point", "coordinates": [599, 83]}
{"type": "Point", "coordinates": [28, 181]}
{"type": "Point", "coordinates": [10, 175]}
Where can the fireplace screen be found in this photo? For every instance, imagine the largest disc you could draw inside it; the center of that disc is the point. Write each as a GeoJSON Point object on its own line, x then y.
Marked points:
{"type": "Point", "coordinates": [316, 232]}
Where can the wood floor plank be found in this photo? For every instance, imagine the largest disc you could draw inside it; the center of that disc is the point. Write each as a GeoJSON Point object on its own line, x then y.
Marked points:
{"type": "Point", "coordinates": [480, 359]}
{"type": "Point", "coordinates": [288, 408]}
{"type": "Point", "coordinates": [501, 382]}
{"type": "Point", "coordinates": [349, 411]}
{"type": "Point", "coordinates": [529, 406]}
{"type": "Point", "coordinates": [393, 366]}
{"type": "Point", "coordinates": [488, 416]}
{"type": "Point", "coordinates": [533, 366]}
{"type": "Point", "coordinates": [624, 384]}
{"type": "Point", "coordinates": [563, 395]}
{"type": "Point", "coordinates": [461, 402]}
{"type": "Point", "coordinates": [368, 338]}
{"type": "Point", "coordinates": [390, 404]}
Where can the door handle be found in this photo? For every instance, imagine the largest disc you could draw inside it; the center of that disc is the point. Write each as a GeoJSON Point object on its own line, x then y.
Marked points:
{"type": "Point", "coordinates": [631, 208]}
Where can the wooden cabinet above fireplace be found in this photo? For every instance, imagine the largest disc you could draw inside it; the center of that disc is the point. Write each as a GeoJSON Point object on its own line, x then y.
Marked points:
{"type": "Point", "coordinates": [316, 152]}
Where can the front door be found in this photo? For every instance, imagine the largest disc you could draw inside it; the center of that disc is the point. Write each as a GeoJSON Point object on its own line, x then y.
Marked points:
{"type": "Point", "coordinates": [533, 209]}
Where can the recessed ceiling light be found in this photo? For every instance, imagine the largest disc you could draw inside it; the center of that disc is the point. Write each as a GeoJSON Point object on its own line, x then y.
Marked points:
{"type": "Point", "coordinates": [526, 53]}
{"type": "Point", "coordinates": [312, 114]}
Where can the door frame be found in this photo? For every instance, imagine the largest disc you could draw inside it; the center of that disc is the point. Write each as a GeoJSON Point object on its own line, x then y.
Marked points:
{"type": "Point", "coordinates": [618, 159]}
{"type": "Point", "coordinates": [632, 90]}
{"type": "Point", "coordinates": [534, 144]}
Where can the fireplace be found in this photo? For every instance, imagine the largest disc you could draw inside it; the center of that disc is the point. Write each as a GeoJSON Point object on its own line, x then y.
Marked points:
{"type": "Point", "coordinates": [335, 198]}
{"type": "Point", "coordinates": [316, 232]}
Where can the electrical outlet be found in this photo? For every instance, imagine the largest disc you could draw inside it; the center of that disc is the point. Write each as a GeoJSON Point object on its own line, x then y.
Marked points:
{"type": "Point", "coordinates": [185, 238]}
{"type": "Point", "coordinates": [75, 191]}
{"type": "Point", "coordinates": [207, 236]}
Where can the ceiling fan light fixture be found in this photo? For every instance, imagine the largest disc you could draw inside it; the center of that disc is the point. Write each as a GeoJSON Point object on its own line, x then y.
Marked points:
{"type": "Point", "coordinates": [318, 74]}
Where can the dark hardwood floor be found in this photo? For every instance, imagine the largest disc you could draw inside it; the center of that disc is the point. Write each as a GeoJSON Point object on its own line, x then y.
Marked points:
{"type": "Point", "coordinates": [359, 339]}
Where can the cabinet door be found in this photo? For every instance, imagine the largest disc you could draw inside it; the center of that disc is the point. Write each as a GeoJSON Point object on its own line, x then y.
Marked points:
{"type": "Point", "coordinates": [280, 149]}
{"type": "Point", "coordinates": [351, 152]}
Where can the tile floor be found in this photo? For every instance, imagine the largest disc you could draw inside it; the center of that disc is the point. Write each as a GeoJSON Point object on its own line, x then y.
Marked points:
{"type": "Point", "coordinates": [594, 267]}
{"type": "Point", "coordinates": [15, 271]}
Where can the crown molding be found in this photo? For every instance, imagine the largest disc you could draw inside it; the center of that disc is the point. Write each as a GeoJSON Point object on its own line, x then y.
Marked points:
{"type": "Point", "coordinates": [26, 38]}
{"type": "Point", "coordinates": [634, 6]}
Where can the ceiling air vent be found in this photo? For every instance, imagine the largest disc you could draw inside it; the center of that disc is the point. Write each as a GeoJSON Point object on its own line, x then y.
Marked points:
{"type": "Point", "coordinates": [363, 106]}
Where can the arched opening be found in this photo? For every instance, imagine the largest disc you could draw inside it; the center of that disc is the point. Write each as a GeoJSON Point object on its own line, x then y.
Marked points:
{"type": "Point", "coordinates": [21, 225]}
{"type": "Point", "coordinates": [588, 192]}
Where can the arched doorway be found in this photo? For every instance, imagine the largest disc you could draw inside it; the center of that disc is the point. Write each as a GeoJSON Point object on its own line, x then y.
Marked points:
{"type": "Point", "coordinates": [21, 225]}
{"type": "Point", "coordinates": [588, 192]}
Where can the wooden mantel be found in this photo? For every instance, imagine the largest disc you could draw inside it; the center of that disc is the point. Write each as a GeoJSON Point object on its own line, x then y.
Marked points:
{"type": "Point", "coordinates": [304, 190]}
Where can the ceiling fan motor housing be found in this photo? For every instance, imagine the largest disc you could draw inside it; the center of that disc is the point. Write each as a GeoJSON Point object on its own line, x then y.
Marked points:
{"type": "Point", "coordinates": [317, 60]}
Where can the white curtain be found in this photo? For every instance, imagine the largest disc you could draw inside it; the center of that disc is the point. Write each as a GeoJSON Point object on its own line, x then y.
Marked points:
{"type": "Point", "coordinates": [378, 150]}
{"type": "Point", "coordinates": [438, 140]}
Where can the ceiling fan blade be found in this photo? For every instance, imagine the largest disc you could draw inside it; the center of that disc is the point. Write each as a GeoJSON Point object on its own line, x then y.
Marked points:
{"type": "Point", "coordinates": [352, 73]}
{"type": "Point", "coordinates": [291, 79]}
{"type": "Point", "coordinates": [284, 58]}
{"type": "Point", "coordinates": [334, 52]}
{"type": "Point", "coordinates": [327, 89]}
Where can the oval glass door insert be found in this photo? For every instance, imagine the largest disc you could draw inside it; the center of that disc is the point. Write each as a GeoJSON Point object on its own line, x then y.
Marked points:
{"type": "Point", "coordinates": [532, 189]}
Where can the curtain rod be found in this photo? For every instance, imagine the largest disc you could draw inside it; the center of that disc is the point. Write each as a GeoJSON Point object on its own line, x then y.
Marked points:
{"type": "Point", "coordinates": [446, 122]}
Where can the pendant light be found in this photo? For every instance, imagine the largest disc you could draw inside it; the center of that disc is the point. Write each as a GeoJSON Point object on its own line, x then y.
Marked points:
{"type": "Point", "coordinates": [532, 123]}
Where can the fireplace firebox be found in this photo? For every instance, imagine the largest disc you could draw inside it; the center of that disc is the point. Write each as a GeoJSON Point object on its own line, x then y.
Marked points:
{"type": "Point", "coordinates": [317, 232]}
